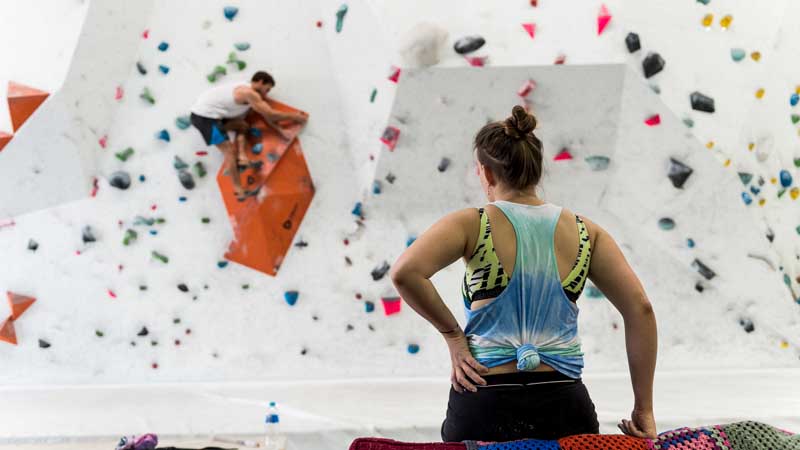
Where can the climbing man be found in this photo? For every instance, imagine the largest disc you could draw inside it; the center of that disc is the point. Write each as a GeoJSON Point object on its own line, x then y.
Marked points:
{"type": "Point", "coordinates": [223, 108]}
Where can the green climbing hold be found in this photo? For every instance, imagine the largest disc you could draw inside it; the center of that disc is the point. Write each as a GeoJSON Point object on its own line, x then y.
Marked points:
{"type": "Point", "coordinates": [245, 286]}
{"type": "Point", "coordinates": [688, 122]}
{"type": "Point", "coordinates": [199, 169]}
{"type": "Point", "coordinates": [130, 236]}
{"type": "Point", "coordinates": [598, 162]}
{"type": "Point", "coordinates": [205, 220]}
{"type": "Point", "coordinates": [797, 229]}
{"type": "Point", "coordinates": [242, 46]}
{"type": "Point", "coordinates": [233, 59]}
{"type": "Point", "coordinates": [372, 95]}
{"type": "Point", "coordinates": [738, 54]}
{"type": "Point", "coordinates": [340, 13]}
{"type": "Point", "coordinates": [125, 154]}
{"type": "Point", "coordinates": [179, 164]}
{"type": "Point", "coordinates": [795, 118]}
{"type": "Point", "coordinates": [183, 122]}
{"type": "Point", "coordinates": [781, 192]}
{"type": "Point", "coordinates": [216, 73]}
{"type": "Point", "coordinates": [745, 177]}
{"type": "Point", "coordinates": [98, 333]}
{"type": "Point", "coordinates": [147, 96]}
{"type": "Point", "coordinates": [163, 258]}
{"type": "Point", "coordinates": [705, 2]}
{"type": "Point", "coordinates": [797, 162]}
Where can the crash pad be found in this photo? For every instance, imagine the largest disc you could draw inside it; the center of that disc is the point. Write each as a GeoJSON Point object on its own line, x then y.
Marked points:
{"type": "Point", "coordinates": [22, 102]}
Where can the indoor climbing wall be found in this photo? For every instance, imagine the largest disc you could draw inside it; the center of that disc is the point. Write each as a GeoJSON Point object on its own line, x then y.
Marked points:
{"type": "Point", "coordinates": [131, 279]}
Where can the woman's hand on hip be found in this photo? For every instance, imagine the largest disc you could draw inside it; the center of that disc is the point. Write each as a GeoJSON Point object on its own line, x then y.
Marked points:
{"type": "Point", "coordinates": [466, 369]}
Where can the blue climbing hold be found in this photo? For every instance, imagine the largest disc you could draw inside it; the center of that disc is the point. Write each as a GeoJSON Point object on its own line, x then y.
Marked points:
{"type": "Point", "coordinates": [410, 240]}
{"type": "Point", "coordinates": [690, 242]}
{"type": "Point", "coordinates": [376, 187]}
{"type": "Point", "coordinates": [163, 135]}
{"type": "Point", "coordinates": [181, 199]}
{"type": "Point", "coordinates": [755, 190]}
{"type": "Point", "coordinates": [256, 132]}
{"type": "Point", "coordinates": [141, 178]}
{"type": "Point", "coordinates": [257, 148]}
{"type": "Point", "coordinates": [154, 232]}
{"type": "Point", "coordinates": [222, 264]}
{"type": "Point", "coordinates": [747, 199]}
{"type": "Point", "coordinates": [369, 306]}
{"type": "Point", "coordinates": [291, 297]}
{"type": "Point", "coordinates": [163, 46]}
{"type": "Point", "coordinates": [183, 122]}
{"type": "Point", "coordinates": [164, 69]}
{"type": "Point", "coordinates": [786, 178]}
{"type": "Point", "coordinates": [357, 209]}
{"type": "Point", "coordinates": [413, 348]}
{"type": "Point", "coordinates": [794, 99]}
{"type": "Point", "coordinates": [230, 12]}
{"type": "Point", "coordinates": [217, 137]}
{"type": "Point", "coordinates": [272, 157]}
{"type": "Point", "coordinates": [242, 46]}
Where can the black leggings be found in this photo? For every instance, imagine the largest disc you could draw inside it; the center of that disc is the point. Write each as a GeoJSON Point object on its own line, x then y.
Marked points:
{"type": "Point", "coordinates": [507, 409]}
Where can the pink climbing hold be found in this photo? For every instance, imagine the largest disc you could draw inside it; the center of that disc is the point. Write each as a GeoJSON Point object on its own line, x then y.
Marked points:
{"type": "Point", "coordinates": [563, 155]}
{"type": "Point", "coordinates": [653, 120]}
{"type": "Point", "coordinates": [530, 28]}
{"type": "Point", "coordinates": [118, 95]}
{"type": "Point", "coordinates": [103, 141]}
{"type": "Point", "coordinates": [394, 75]}
{"type": "Point", "coordinates": [112, 294]}
{"type": "Point", "coordinates": [526, 88]}
{"type": "Point", "coordinates": [476, 61]}
{"type": "Point", "coordinates": [95, 186]}
{"type": "Point", "coordinates": [602, 19]}
{"type": "Point", "coordinates": [145, 34]}
{"type": "Point", "coordinates": [391, 305]}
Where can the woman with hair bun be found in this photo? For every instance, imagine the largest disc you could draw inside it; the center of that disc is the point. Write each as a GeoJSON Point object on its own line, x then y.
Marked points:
{"type": "Point", "coordinates": [517, 364]}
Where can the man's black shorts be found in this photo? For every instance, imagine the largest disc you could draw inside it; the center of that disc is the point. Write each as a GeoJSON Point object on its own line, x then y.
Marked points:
{"type": "Point", "coordinates": [213, 130]}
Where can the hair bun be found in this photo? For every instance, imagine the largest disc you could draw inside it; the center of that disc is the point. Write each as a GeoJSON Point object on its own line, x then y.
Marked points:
{"type": "Point", "coordinates": [520, 123]}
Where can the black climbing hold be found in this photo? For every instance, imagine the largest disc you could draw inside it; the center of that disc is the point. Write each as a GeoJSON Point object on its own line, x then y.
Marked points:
{"type": "Point", "coordinates": [186, 178]}
{"type": "Point", "coordinates": [444, 164]}
{"type": "Point", "coordinates": [747, 324]}
{"type": "Point", "coordinates": [32, 245]}
{"type": "Point", "coordinates": [142, 287]}
{"type": "Point", "coordinates": [468, 44]}
{"type": "Point", "coordinates": [701, 102]}
{"type": "Point", "coordinates": [303, 351]}
{"type": "Point", "coordinates": [176, 320]}
{"type": "Point", "coordinates": [251, 179]}
{"type": "Point", "coordinates": [698, 287]}
{"type": "Point", "coordinates": [143, 332]}
{"type": "Point", "coordinates": [379, 272]}
{"type": "Point", "coordinates": [652, 64]}
{"type": "Point", "coordinates": [315, 317]}
{"type": "Point", "coordinates": [88, 235]}
{"type": "Point", "coordinates": [140, 67]}
{"type": "Point", "coordinates": [43, 344]}
{"type": "Point", "coordinates": [120, 180]}
{"type": "Point", "coordinates": [770, 234]}
{"type": "Point", "coordinates": [632, 42]}
{"type": "Point", "coordinates": [703, 269]}
{"type": "Point", "coordinates": [98, 333]}
{"type": "Point", "coordinates": [183, 288]}
{"type": "Point", "coordinates": [678, 172]}
{"type": "Point", "coordinates": [350, 327]}
{"type": "Point", "coordinates": [153, 343]}
{"type": "Point", "coordinates": [348, 261]}
{"type": "Point", "coordinates": [390, 177]}
{"type": "Point", "coordinates": [371, 328]}
{"type": "Point", "coordinates": [301, 243]}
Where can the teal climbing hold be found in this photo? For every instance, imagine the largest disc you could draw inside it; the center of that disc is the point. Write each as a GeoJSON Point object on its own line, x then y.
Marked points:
{"type": "Point", "coordinates": [163, 46]}
{"type": "Point", "coordinates": [376, 187]}
{"type": "Point", "coordinates": [179, 164]}
{"type": "Point", "coordinates": [738, 54]}
{"type": "Point", "coordinates": [786, 178]}
{"type": "Point", "coordinates": [370, 306]}
{"type": "Point", "coordinates": [272, 157]}
{"type": "Point", "coordinates": [413, 348]}
{"type": "Point", "coordinates": [242, 46]}
{"type": "Point", "coordinates": [291, 297]}
{"type": "Point", "coordinates": [182, 122]}
{"type": "Point", "coordinates": [257, 148]}
{"type": "Point", "coordinates": [747, 199]}
{"type": "Point", "coordinates": [705, 2]}
{"type": "Point", "coordinates": [690, 242]}
{"type": "Point", "coordinates": [598, 162]}
{"type": "Point", "coordinates": [688, 122]}
{"type": "Point", "coordinates": [357, 210]}
{"type": "Point", "coordinates": [340, 13]}
{"type": "Point", "coordinates": [665, 223]}
{"type": "Point", "coordinates": [410, 240]}
{"type": "Point", "coordinates": [163, 135]}
{"type": "Point", "coordinates": [163, 69]}
{"type": "Point", "coordinates": [745, 177]}
{"type": "Point", "coordinates": [797, 229]}
{"type": "Point", "coordinates": [794, 99]}
{"type": "Point", "coordinates": [222, 264]}
{"type": "Point", "coordinates": [593, 292]}
{"type": "Point", "coordinates": [372, 95]}
{"type": "Point", "coordinates": [230, 12]}
{"type": "Point", "coordinates": [755, 190]}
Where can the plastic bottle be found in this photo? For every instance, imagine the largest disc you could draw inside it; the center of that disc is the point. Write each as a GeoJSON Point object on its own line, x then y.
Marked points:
{"type": "Point", "coordinates": [273, 439]}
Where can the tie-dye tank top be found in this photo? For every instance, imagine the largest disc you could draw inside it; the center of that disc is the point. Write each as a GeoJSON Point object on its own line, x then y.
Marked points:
{"type": "Point", "coordinates": [532, 321]}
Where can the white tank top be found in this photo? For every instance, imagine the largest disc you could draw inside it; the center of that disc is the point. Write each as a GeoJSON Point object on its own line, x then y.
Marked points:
{"type": "Point", "coordinates": [218, 102]}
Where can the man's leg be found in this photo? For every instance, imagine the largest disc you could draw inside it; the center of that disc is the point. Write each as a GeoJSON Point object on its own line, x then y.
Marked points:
{"type": "Point", "coordinates": [241, 156]}
{"type": "Point", "coordinates": [230, 167]}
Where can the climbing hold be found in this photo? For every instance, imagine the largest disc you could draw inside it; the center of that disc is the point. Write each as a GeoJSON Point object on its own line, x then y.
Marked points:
{"type": "Point", "coordinates": [124, 154]}
{"type": "Point", "coordinates": [163, 46]}
{"type": "Point", "coordinates": [527, 87]}
{"type": "Point", "coordinates": [140, 67]}
{"type": "Point", "coordinates": [242, 46]}
{"type": "Point", "coordinates": [255, 132]}
{"type": "Point", "coordinates": [390, 177]}
{"type": "Point", "coordinates": [688, 122]}
{"type": "Point", "coordinates": [391, 305]}
{"type": "Point", "coordinates": [705, 2]}
{"type": "Point", "coordinates": [376, 187]}
{"type": "Point", "coordinates": [369, 306]}
{"type": "Point", "coordinates": [708, 20]}
{"type": "Point", "coordinates": [130, 236]}
{"type": "Point", "coordinates": [413, 348]}
{"type": "Point", "coordinates": [786, 178]}
{"type": "Point", "coordinates": [141, 178]}
{"type": "Point", "coordinates": [737, 54]}
{"type": "Point", "coordinates": [182, 199]}
{"type": "Point", "coordinates": [794, 99]}
{"type": "Point", "coordinates": [795, 119]}
{"type": "Point", "coordinates": [725, 22]}
{"type": "Point", "coordinates": [118, 94]}
{"type": "Point", "coordinates": [161, 257]}
{"type": "Point", "coordinates": [665, 223]}
{"type": "Point", "coordinates": [103, 141]}
{"type": "Point", "coordinates": [760, 93]}
{"type": "Point", "coordinates": [230, 12]}
{"type": "Point", "coordinates": [390, 137]}
{"type": "Point", "coordinates": [468, 44]}
{"type": "Point", "coordinates": [205, 220]}
{"type": "Point", "coordinates": [690, 242]}
{"type": "Point", "coordinates": [754, 190]}
{"type": "Point", "coordinates": [357, 210]}
{"type": "Point", "coordinates": [632, 42]}
{"type": "Point", "coordinates": [563, 155]}
{"type": "Point", "coordinates": [18, 304]}
{"type": "Point", "coordinates": [183, 288]}
{"type": "Point", "coordinates": [756, 56]}
{"type": "Point", "coordinates": [120, 180]}
{"type": "Point", "coordinates": [794, 192]}
{"type": "Point", "coordinates": [372, 95]}
{"type": "Point", "coordinates": [603, 17]}
{"type": "Point", "coordinates": [598, 162]}
{"type": "Point", "coordinates": [704, 270]}
{"type": "Point", "coordinates": [186, 179]}
{"type": "Point", "coordinates": [701, 102]}
{"type": "Point", "coordinates": [443, 164]}
{"type": "Point", "coordinates": [652, 64]}
{"type": "Point", "coordinates": [183, 122]}
{"type": "Point", "coordinates": [163, 135]}
{"type": "Point", "coordinates": [43, 344]}
{"type": "Point", "coordinates": [147, 96]}
{"type": "Point", "coordinates": [291, 297]}
{"type": "Point", "coordinates": [179, 164]}
{"type": "Point", "coordinates": [379, 272]}
{"type": "Point", "coordinates": [340, 13]}
{"type": "Point", "coordinates": [410, 240]}
{"type": "Point", "coordinates": [163, 69]}
{"type": "Point", "coordinates": [257, 148]}
{"type": "Point", "coordinates": [199, 169]}
{"type": "Point", "coordinates": [745, 177]}
{"type": "Point", "coordinates": [678, 172]}
{"type": "Point", "coordinates": [593, 292]}
{"type": "Point", "coordinates": [476, 61]}
{"type": "Point", "coordinates": [394, 74]}
{"type": "Point", "coordinates": [530, 28]}
{"type": "Point", "coordinates": [653, 120]}
{"type": "Point", "coordinates": [98, 333]}
{"type": "Point", "coordinates": [233, 59]}
{"type": "Point", "coordinates": [770, 234]}
{"type": "Point", "coordinates": [143, 332]}
{"type": "Point", "coordinates": [222, 264]}
{"type": "Point", "coordinates": [216, 73]}
{"type": "Point", "coordinates": [32, 245]}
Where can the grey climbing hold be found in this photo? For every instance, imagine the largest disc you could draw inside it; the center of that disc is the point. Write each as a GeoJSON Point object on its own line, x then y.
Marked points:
{"type": "Point", "coordinates": [702, 102]}
{"type": "Point", "coordinates": [678, 172]}
{"type": "Point", "coordinates": [444, 164]}
{"type": "Point", "coordinates": [88, 235]}
{"type": "Point", "coordinates": [468, 44]}
{"type": "Point", "coordinates": [747, 324]}
{"type": "Point", "coordinates": [379, 272]}
{"type": "Point", "coordinates": [140, 67]}
{"type": "Point", "coordinates": [665, 223]}
{"type": "Point", "coordinates": [242, 46]}
{"type": "Point", "coordinates": [652, 64]}
{"type": "Point", "coordinates": [32, 245]}
{"type": "Point", "coordinates": [186, 179]}
{"type": "Point", "coordinates": [632, 42]}
{"type": "Point", "coordinates": [120, 180]}
{"type": "Point", "coordinates": [43, 344]}
{"type": "Point", "coordinates": [598, 162]}
{"type": "Point", "coordinates": [179, 164]}
{"type": "Point", "coordinates": [703, 269]}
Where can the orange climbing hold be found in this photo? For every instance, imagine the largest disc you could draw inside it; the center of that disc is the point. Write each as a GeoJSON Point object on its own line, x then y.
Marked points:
{"type": "Point", "coordinates": [5, 138]}
{"type": "Point", "coordinates": [22, 102]}
{"type": "Point", "coordinates": [18, 303]}
{"type": "Point", "coordinates": [264, 225]}
{"type": "Point", "coordinates": [7, 332]}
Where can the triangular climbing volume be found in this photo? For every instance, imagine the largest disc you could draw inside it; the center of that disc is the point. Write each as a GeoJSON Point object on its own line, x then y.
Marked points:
{"type": "Point", "coordinates": [5, 138]}
{"type": "Point", "coordinates": [18, 304]}
{"type": "Point", "coordinates": [7, 332]}
{"type": "Point", "coordinates": [22, 102]}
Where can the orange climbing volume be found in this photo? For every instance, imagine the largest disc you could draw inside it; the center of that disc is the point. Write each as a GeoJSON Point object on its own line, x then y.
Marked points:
{"type": "Point", "coordinates": [18, 303]}
{"type": "Point", "coordinates": [22, 102]}
{"type": "Point", "coordinates": [5, 138]}
{"type": "Point", "coordinates": [264, 224]}
{"type": "Point", "coordinates": [7, 333]}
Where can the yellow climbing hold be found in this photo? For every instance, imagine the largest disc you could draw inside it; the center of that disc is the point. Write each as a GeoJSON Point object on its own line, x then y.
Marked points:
{"type": "Point", "coordinates": [760, 93]}
{"type": "Point", "coordinates": [794, 193]}
{"type": "Point", "coordinates": [710, 145]}
{"type": "Point", "coordinates": [725, 22]}
{"type": "Point", "coordinates": [708, 19]}
{"type": "Point", "coordinates": [773, 180]}
{"type": "Point", "coordinates": [762, 201]}
{"type": "Point", "coordinates": [797, 89]}
{"type": "Point", "coordinates": [727, 162]}
{"type": "Point", "coordinates": [784, 344]}
{"type": "Point", "coordinates": [755, 55]}
{"type": "Point", "coordinates": [751, 146]}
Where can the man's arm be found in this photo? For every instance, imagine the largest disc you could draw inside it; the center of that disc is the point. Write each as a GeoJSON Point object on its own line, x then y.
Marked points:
{"type": "Point", "coordinates": [270, 115]}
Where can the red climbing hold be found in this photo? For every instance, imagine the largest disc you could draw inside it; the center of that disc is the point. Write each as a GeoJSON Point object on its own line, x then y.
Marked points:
{"type": "Point", "coordinates": [5, 138]}
{"type": "Point", "coordinates": [390, 137]}
{"type": "Point", "coordinates": [391, 305]}
{"type": "Point", "coordinates": [476, 61]}
{"type": "Point", "coordinates": [563, 155]}
{"type": "Point", "coordinates": [602, 19]}
{"type": "Point", "coordinates": [7, 332]}
{"type": "Point", "coordinates": [653, 120]}
{"type": "Point", "coordinates": [18, 303]}
{"type": "Point", "coordinates": [526, 88]}
{"type": "Point", "coordinates": [394, 74]}
{"type": "Point", "coordinates": [530, 28]}
{"type": "Point", "coordinates": [145, 34]}
{"type": "Point", "coordinates": [560, 59]}
{"type": "Point", "coordinates": [22, 102]}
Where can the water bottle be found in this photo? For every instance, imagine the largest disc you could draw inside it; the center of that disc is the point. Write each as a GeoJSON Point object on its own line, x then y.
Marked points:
{"type": "Point", "coordinates": [274, 439]}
